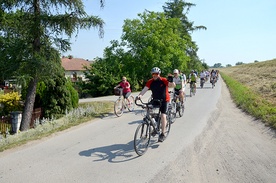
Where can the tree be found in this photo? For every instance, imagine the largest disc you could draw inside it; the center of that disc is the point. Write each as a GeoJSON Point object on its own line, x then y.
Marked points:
{"type": "Point", "coordinates": [180, 9]}
{"type": "Point", "coordinates": [41, 34]}
{"type": "Point", "coordinates": [239, 63]}
{"type": "Point", "coordinates": [217, 65]}
{"type": "Point", "coordinates": [228, 65]}
{"type": "Point", "coordinates": [153, 40]}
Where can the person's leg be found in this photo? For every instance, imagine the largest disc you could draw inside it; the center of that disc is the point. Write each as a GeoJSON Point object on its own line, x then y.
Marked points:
{"type": "Point", "coordinates": [163, 110]}
{"type": "Point", "coordinates": [181, 96]}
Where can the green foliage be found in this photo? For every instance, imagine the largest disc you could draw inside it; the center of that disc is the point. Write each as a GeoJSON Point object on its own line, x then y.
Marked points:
{"type": "Point", "coordinates": [251, 102]}
{"type": "Point", "coordinates": [239, 63]}
{"type": "Point", "coordinates": [30, 48]}
{"type": "Point", "coordinates": [56, 96]}
{"type": "Point", "coordinates": [74, 96]}
{"type": "Point", "coordinates": [217, 65]}
{"type": "Point", "coordinates": [10, 102]}
{"type": "Point", "coordinates": [147, 42]}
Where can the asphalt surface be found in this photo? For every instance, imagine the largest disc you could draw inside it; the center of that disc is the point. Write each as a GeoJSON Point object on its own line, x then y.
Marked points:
{"type": "Point", "coordinates": [102, 149]}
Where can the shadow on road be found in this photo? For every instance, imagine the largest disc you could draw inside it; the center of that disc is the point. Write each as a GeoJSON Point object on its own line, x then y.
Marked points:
{"type": "Point", "coordinates": [115, 153]}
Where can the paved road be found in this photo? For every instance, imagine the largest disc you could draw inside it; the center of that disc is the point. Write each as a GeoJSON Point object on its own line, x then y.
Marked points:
{"type": "Point", "coordinates": [102, 150]}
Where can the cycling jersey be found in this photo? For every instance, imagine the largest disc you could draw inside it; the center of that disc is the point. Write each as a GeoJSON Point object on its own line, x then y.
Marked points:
{"type": "Point", "coordinates": [178, 82]}
{"type": "Point", "coordinates": [193, 77]}
{"type": "Point", "coordinates": [159, 88]}
{"type": "Point", "coordinates": [124, 85]}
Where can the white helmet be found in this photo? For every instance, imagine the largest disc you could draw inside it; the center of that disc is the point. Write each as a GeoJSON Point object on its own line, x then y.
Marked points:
{"type": "Point", "coordinates": [176, 71]}
{"type": "Point", "coordinates": [155, 70]}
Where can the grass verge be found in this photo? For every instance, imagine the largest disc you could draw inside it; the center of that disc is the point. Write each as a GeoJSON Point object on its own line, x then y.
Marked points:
{"type": "Point", "coordinates": [84, 113]}
{"type": "Point", "coordinates": [250, 101]}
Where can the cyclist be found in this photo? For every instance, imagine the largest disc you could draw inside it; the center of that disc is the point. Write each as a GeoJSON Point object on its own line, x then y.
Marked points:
{"type": "Point", "coordinates": [192, 78]}
{"type": "Point", "coordinates": [213, 76]}
{"type": "Point", "coordinates": [126, 87]}
{"type": "Point", "coordinates": [202, 76]}
{"type": "Point", "coordinates": [159, 88]}
{"type": "Point", "coordinates": [179, 85]}
{"type": "Point", "coordinates": [185, 82]}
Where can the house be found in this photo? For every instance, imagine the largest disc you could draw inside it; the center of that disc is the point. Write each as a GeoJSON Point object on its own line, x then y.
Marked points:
{"type": "Point", "coordinates": [74, 67]}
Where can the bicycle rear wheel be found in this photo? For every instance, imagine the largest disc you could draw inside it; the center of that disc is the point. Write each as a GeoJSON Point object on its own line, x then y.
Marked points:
{"type": "Point", "coordinates": [142, 139]}
{"type": "Point", "coordinates": [119, 107]}
{"type": "Point", "coordinates": [130, 103]}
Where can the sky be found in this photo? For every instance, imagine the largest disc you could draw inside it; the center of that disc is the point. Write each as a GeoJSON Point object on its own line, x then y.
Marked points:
{"type": "Point", "coordinates": [237, 30]}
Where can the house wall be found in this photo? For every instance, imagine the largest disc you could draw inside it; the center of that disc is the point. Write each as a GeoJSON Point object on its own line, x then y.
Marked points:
{"type": "Point", "coordinates": [70, 74]}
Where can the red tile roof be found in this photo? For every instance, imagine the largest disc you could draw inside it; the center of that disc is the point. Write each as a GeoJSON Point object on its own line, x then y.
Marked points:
{"type": "Point", "coordinates": [74, 64]}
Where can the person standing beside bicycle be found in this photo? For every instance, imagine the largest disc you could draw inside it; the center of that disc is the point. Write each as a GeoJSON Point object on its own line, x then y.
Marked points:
{"type": "Point", "coordinates": [159, 88]}
{"type": "Point", "coordinates": [192, 78]}
{"type": "Point", "coordinates": [126, 87]}
{"type": "Point", "coordinates": [179, 85]}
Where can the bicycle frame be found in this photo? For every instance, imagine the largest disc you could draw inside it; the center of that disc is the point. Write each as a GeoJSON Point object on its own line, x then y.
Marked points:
{"type": "Point", "coordinates": [148, 128]}
{"type": "Point", "coordinates": [149, 114]}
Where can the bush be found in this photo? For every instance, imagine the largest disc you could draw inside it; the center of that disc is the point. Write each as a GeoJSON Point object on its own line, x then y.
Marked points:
{"type": "Point", "coordinates": [10, 102]}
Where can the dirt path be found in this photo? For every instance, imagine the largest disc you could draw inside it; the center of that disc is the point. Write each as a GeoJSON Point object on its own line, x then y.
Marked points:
{"type": "Point", "coordinates": [233, 148]}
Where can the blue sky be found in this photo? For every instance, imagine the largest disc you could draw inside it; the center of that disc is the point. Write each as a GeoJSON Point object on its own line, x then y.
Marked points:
{"type": "Point", "coordinates": [237, 30]}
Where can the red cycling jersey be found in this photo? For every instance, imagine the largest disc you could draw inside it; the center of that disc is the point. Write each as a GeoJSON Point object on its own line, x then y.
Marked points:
{"type": "Point", "coordinates": [159, 88]}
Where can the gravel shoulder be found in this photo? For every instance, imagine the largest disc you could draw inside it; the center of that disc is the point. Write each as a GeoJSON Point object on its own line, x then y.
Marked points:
{"type": "Point", "coordinates": [232, 148]}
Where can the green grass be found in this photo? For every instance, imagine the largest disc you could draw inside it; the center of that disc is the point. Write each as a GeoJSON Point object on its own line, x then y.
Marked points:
{"type": "Point", "coordinates": [251, 102]}
{"type": "Point", "coordinates": [84, 113]}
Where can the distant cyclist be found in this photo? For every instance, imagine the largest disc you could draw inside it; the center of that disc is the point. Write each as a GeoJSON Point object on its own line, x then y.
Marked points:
{"type": "Point", "coordinates": [192, 78]}
{"type": "Point", "coordinates": [213, 77]}
{"type": "Point", "coordinates": [126, 87]}
{"type": "Point", "coordinates": [159, 88]}
{"type": "Point", "coordinates": [202, 76]}
{"type": "Point", "coordinates": [179, 85]}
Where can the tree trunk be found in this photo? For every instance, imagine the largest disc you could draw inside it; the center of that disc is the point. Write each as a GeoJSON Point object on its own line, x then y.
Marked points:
{"type": "Point", "coordinates": [29, 105]}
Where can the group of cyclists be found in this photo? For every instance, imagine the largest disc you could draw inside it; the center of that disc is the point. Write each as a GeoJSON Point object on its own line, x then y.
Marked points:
{"type": "Point", "coordinates": [159, 87]}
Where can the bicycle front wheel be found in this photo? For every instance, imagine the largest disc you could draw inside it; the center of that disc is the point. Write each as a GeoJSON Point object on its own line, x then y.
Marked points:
{"type": "Point", "coordinates": [142, 139]}
{"type": "Point", "coordinates": [172, 112]}
{"type": "Point", "coordinates": [181, 109]}
{"type": "Point", "coordinates": [119, 107]}
{"type": "Point", "coordinates": [168, 128]}
{"type": "Point", "coordinates": [130, 103]}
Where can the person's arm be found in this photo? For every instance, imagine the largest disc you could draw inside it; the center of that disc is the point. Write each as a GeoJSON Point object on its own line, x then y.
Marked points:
{"type": "Point", "coordinates": [117, 86]}
{"type": "Point", "coordinates": [145, 89]}
{"type": "Point", "coordinates": [171, 84]}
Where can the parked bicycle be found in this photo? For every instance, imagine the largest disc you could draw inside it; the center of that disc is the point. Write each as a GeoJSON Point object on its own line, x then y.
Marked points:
{"type": "Point", "coordinates": [121, 104]}
{"type": "Point", "coordinates": [150, 126]}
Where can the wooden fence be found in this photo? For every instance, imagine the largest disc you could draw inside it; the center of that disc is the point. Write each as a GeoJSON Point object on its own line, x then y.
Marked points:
{"type": "Point", "coordinates": [5, 122]}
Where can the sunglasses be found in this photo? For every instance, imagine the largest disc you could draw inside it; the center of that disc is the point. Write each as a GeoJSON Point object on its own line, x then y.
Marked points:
{"type": "Point", "coordinates": [154, 74]}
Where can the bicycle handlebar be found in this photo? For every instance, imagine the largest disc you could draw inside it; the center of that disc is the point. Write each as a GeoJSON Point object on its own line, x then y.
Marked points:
{"type": "Point", "coordinates": [147, 105]}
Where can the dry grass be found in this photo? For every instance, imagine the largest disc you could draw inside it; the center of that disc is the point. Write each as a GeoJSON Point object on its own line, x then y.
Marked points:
{"type": "Point", "coordinates": [259, 77]}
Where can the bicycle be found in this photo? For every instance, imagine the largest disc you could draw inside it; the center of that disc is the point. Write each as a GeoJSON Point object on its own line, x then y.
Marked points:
{"type": "Point", "coordinates": [202, 81]}
{"type": "Point", "coordinates": [213, 81]}
{"type": "Point", "coordinates": [122, 103]}
{"type": "Point", "coordinates": [150, 126]}
{"type": "Point", "coordinates": [179, 105]}
{"type": "Point", "coordinates": [192, 89]}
